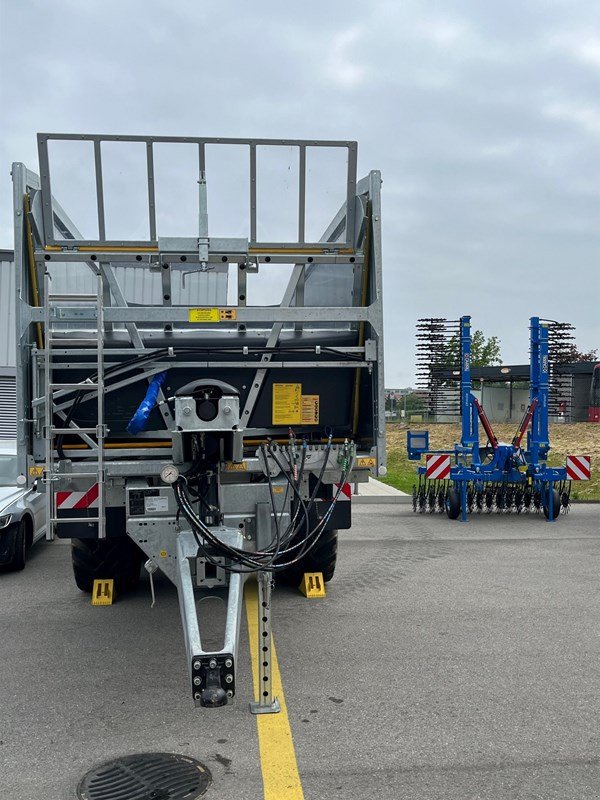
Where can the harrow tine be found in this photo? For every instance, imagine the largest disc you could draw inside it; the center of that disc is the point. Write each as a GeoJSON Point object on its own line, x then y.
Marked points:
{"type": "Point", "coordinates": [479, 500]}
{"type": "Point", "coordinates": [441, 498]}
{"type": "Point", "coordinates": [470, 498]}
{"type": "Point", "coordinates": [422, 499]}
{"type": "Point", "coordinates": [518, 500]}
{"type": "Point", "coordinates": [431, 497]}
{"type": "Point", "coordinates": [565, 497]}
{"type": "Point", "coordinates": [489, 500]}
{"type": "Point", "coordinates": [500, 498]}
{"type": "Point", "coordinates": [510, 497]}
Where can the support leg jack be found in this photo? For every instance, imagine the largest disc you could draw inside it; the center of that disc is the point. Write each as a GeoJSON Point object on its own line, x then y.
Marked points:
{"type": "Point", "coordinates": [266, 704]}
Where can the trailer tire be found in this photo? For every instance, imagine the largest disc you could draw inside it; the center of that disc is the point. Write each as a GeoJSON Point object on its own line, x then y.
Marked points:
{"type": "Point", "coordinates": [119, 559]}
{"type": "Point", "coordinates": [453, 504]}
{"type": "Point", "coordinates": [321, 559]}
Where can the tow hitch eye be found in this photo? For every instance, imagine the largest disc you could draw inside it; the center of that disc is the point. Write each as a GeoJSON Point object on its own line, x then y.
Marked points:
{"type": "Point", "coordinates": [213, 680]}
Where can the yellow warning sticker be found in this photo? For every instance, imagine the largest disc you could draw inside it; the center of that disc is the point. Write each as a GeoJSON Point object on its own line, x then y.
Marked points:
{"type": "Point", "coordinates": [232, 466]}
{"type": "Point", "coordinates": [365, 461]}
{"type": "Point", "coordinates": [203, 315]}
{"type": "Point", "coordinates": [310, 409]}
{"type": "Point", "coordinates": [278, 490]}
{"type": "Point", "coordinates": [163, 554]}
{"type": "Point", "coordinates": [36, 472]}
{"type": "Point", "coordinates": [211, 314]}
{"type": "Point", "coordinates": [287, 404]}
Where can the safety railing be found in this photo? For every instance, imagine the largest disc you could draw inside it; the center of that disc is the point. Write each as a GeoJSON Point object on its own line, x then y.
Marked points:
{"type": "Point", "coordinates": [302, 147]}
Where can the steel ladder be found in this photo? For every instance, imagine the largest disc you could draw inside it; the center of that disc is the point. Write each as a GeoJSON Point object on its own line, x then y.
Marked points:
{"type": "Point", "coordinates": [53, 314]}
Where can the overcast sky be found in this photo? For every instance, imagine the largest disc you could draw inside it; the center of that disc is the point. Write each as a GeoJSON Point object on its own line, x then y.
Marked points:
{"type": "Point", "coordinates": [483, 117]}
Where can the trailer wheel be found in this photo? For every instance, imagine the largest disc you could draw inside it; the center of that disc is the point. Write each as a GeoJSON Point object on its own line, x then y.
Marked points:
{"type": "Point", "coordinates": [555, 506]}
{"type": "Point", "coordinates": [321, 559]}
{"type": "Point", "coordinates": [119, 559]}
{"type": "Point", "coordinates": [453, 504]}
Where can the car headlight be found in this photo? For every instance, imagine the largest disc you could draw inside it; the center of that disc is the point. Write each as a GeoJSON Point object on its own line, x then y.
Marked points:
{"type": "Point", "coordinates": [4, 521]}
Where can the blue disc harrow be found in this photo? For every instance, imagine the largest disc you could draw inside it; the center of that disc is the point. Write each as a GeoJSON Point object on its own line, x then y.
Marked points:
{"type": "Point", "coordinates": [501, 477]}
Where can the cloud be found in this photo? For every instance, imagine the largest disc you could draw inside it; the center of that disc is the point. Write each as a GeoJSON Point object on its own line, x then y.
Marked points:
{"type": "Point", "coordinates": [587, 116]}
{"type": "Point", "coordinates": [341, 65]}
{"type": "Point", "coordinates": [580, 45]}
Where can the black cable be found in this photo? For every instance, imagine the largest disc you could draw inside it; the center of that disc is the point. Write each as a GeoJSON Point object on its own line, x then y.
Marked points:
{"type": "Point", "coordinates": [259, 560]}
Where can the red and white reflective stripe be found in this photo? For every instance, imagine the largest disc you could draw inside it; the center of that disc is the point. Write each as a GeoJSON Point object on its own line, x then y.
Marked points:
{"type": "Point", "coordinates": [76, 500]}
{"type": "Point", "coordinates": [579, 468]}
{"type": "Point", "coordinates": [346, 493]}
{"type": "Point", "coordinates": [437, 467]}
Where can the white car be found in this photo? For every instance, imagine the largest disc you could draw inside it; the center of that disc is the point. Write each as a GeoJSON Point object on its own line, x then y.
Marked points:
{"type": "Point", "coordinates": [22, 511]}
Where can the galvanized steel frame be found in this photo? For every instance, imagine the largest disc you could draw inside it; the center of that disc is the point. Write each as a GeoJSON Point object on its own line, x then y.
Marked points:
{"type": "Point", "coordinates": [275, 317]}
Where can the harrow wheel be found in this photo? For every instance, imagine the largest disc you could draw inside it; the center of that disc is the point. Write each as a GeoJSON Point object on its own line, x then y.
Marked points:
{"type": "Point", "coordinates": [555, 506]}
{"type": "Point", "coordinates": [453, 504]}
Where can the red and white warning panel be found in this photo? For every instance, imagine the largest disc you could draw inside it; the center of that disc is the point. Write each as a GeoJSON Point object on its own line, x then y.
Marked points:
{"type": "Point", "coordinates": [437, 467]}
{"type": "Point", "coordinates": [77, 500]}
{"type": "Point", "coordinates": [346, 493]}
{"type": "Point", "coordinates": [579, 468]}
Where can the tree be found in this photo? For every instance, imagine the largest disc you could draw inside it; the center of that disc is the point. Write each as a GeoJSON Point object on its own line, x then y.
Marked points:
{"type": "Point", "coordinates": [484, 352]}
{"type": "Point", "coordinates": [572, 355]}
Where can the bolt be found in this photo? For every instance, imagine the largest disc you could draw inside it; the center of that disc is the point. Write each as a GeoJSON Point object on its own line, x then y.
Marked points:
{"type": "Point", "coordinates": [229, 678]}
{"type": "Point", "coordinates": [197, 695]}
{"type": "Point", "coordinates": [197, 680]}
{"type": "Point", "coordinates": [228, 662]}
{"type": "Point", "coordinates": [187, 411]}
{"type": "Point", "coordinates": [197, 664]}
{"type": "Point", "coordinates": [229, 693]}
{"type": "Point", "coordinates": [212, 663]}
{"type": "Point", "coordinates": [227, 409]}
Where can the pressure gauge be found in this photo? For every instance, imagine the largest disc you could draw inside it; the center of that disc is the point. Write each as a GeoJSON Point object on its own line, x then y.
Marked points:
{"type": "Point", "coordinates": [169, 474]}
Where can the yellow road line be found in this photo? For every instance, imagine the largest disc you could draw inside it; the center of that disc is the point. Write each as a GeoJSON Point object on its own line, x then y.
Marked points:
{"type": "Point", "coordinates": [281, 779]}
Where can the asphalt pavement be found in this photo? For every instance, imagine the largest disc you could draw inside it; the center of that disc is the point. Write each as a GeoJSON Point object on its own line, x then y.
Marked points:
{"type": "Point", "coordinates": [449, 661]}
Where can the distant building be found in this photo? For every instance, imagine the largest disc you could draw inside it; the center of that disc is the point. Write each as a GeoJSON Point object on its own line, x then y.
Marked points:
{"type": "Point", "coordinates": [503, 391]}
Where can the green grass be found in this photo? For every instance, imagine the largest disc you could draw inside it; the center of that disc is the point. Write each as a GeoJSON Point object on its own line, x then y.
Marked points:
{"type": "Point", "coordinates": [581, 438]}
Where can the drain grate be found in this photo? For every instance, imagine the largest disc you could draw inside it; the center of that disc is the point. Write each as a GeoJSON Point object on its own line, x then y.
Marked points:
{"type": "Point", "coordinates": [146, 776]}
